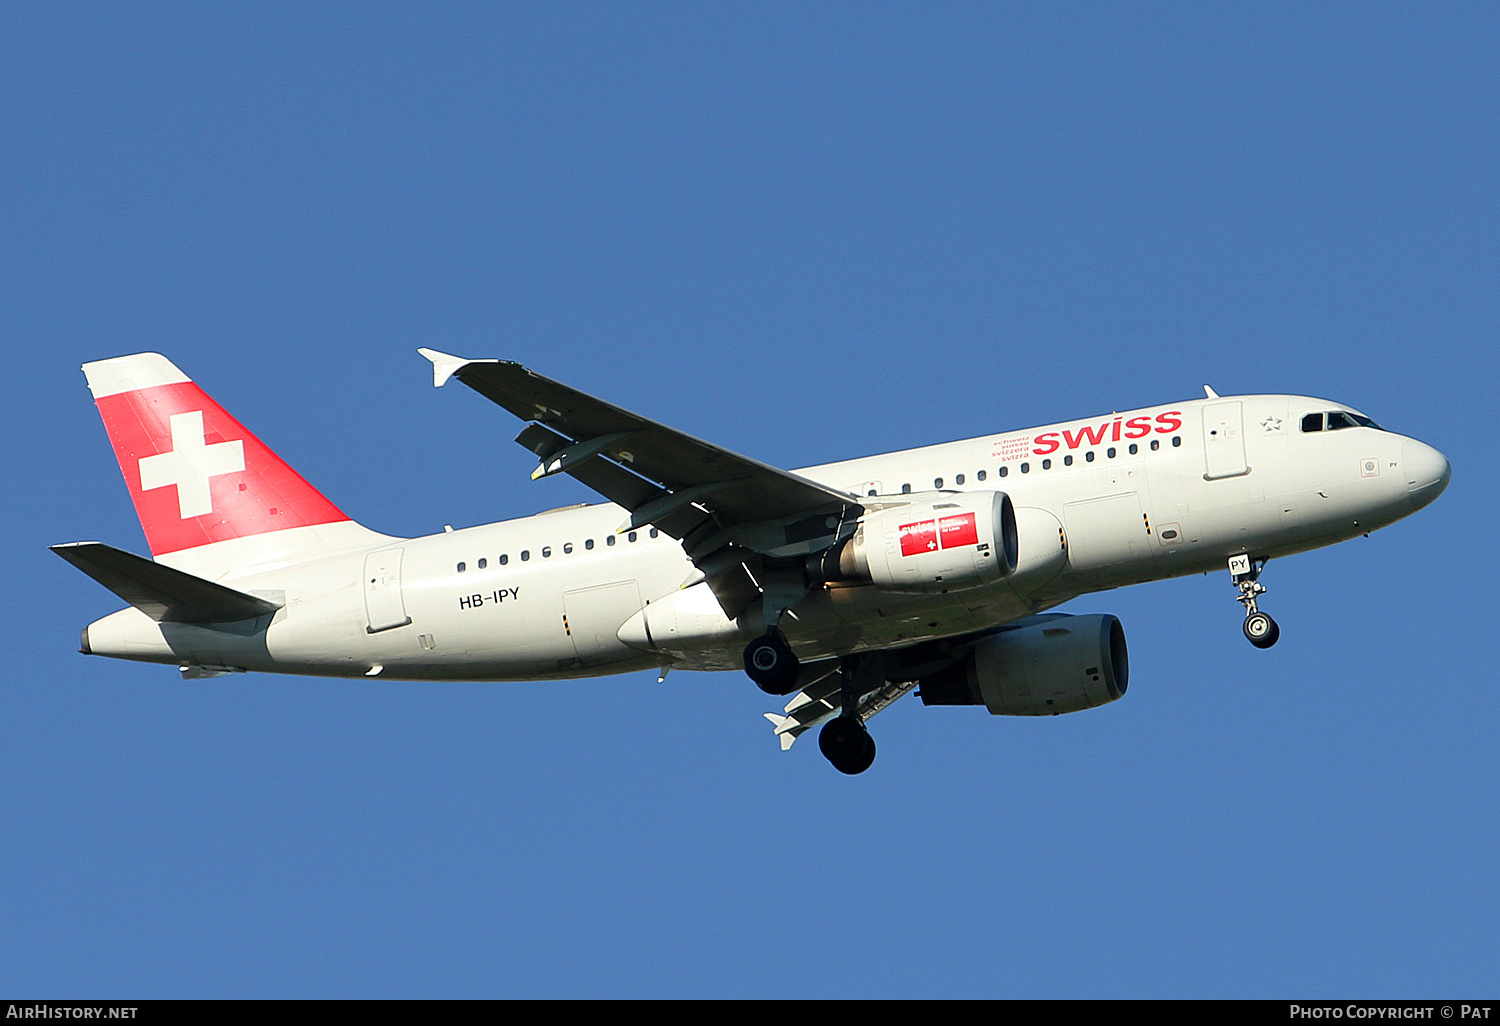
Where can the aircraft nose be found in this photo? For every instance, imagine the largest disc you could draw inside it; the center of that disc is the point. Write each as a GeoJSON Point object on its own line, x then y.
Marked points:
{"type": "Point", "coordinates": [1427, 472]}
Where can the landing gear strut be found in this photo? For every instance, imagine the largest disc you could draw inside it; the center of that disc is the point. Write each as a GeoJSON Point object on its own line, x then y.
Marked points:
{"type": "Point", "coordinates": [769, 660]}
{"type": "Point", "coordinates": [844, 741]}
{"type": "Point", "coordinates": [1260, 629]}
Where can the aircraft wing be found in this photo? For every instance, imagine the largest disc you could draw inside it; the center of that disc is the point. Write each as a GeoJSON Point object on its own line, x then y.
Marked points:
{"type": "Point", "coordinates": [727, 509]}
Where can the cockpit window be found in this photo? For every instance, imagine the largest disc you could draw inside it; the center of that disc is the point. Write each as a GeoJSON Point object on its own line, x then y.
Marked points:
{"type": "Point", "coordinates": [1344, 418]}
{"type": "Point", "coordinates": [1338, 419]}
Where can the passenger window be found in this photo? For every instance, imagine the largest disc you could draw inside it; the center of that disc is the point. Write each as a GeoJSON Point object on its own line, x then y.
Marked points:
{"type": "Point", "coordinates": [588, 543]}
{"type": "Point", "coordinates": [525, 555]}
{"type": "Point", "coordinates": [1155, 444]}
{"type": "Point", "coordinates": [462, 568]}
{"type": "Point", "coordinates": [609, 539]}
{"type": "Point", "coordinates": [482, 563]}
{"type": "Point", "coordinates": [937, 482]}
{"type": "Point", "coordinates": [654, 532]}
{"type": "Point", "coordinates": [1067, 461]}
{"type": "Point", "coordinates": [1004, 471]}
{"type": "Point", "coordinates": [959, 479]}
{"type": "Point", "coordinates": [1134, 448]}
{"type": "Point", "coordinates": [1046, 464]}
{"type": "Point", "coordinates": [546, 551]}
{"type": "Point", "coordinates": [1088, 457]}
{"type": "Point", "coordinates": [1110, 452]}
{"type": "Point", "coordinates": [504, 558]}
{"type": "Point", "coordinates": [906, 489]}
{"type": "Point", "coordinates": [1026, 468]}
{"type": "Point", "coordinates": [1312, 422]}
{"type": "Point", "coordinates": [1176, 441]}
{"type": "Point", "coordinates": [567, 547]}
{"type": "Point", "coordinates": [980, 475]}
{"type": "Point", "coordinates": [631, 536]}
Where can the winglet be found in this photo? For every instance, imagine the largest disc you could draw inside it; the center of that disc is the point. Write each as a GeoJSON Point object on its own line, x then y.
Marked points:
{"type": "Point", "coordinates": [1209, 393]}
{"type": "Point", "coordinates": [445, 365]}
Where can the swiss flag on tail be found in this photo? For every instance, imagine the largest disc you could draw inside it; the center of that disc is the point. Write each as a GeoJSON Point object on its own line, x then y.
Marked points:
{"type": "Point", "coordinates": [195, 473]}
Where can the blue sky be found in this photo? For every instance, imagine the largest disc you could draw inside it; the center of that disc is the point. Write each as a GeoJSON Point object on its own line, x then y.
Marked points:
{"type": "Point", "coordinates": [807, 232]}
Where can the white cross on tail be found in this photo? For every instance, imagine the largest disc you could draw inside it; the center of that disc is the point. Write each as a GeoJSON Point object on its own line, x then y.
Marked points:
{"type": "Point", "coordinates": [190, 464]}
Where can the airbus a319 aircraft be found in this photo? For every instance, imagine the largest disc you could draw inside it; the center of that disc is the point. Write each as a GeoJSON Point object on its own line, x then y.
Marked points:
{"type": "Point", "coordinates": [843, 586]}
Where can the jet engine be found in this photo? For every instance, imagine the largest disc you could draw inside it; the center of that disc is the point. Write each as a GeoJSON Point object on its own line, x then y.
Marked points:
{"type": "Point", "coordinates": [947, 543]}
{"type": "Point", "coordinates": [1049, 664]}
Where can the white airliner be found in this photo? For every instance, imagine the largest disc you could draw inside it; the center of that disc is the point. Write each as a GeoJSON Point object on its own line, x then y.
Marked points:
{"type": "Point", "coordinates": [844, 585]}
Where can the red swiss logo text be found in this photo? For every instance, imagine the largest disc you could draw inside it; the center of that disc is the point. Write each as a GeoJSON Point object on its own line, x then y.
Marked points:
{"type": "Point", "coordinates": [1113, 430]}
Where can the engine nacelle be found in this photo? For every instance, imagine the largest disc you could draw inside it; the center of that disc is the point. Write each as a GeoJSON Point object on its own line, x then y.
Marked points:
{"type": "Point", "coordinates": [1048, 665]}
{"type": "Point", "coordinates": [946, 543]}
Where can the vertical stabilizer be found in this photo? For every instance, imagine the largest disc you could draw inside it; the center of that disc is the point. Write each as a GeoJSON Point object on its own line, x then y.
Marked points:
{"type": "Point", "coordinates": [210, 495]}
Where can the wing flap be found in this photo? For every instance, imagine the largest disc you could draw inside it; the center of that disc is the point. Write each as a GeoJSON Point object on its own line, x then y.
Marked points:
{"type": "Point", "coordinates": [159, 591]}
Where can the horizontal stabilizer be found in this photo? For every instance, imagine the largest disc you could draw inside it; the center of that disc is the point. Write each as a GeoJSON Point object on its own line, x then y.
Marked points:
{"type": "Point", "coordinates": [159, 591]}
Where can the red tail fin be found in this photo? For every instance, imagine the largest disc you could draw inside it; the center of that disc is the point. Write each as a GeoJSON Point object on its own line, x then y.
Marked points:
{"type": "Point", "coordinates": [197, 476]}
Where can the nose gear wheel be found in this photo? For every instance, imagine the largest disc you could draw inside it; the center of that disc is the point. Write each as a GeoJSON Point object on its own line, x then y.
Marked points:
{"type": "Point", "coordinates": [1261, 630]}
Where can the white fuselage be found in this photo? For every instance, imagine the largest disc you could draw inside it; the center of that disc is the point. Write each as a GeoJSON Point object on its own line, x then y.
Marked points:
{"type": "Point", "coordinates": [1137, 496]}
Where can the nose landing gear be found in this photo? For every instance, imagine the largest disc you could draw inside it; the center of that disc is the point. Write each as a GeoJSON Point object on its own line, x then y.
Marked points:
{"type": "Point", "coordinates": [1260, 630]}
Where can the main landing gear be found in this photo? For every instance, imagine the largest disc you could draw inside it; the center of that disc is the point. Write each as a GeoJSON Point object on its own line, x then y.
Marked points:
{"type": "Point", "coordinates": [844, 741]}
{"type": "Point", "coordinates": [1260, 630]}
{"type": "Point", "coordinates": [771, 663]}
{"type": "Point", "coordinates": [769, 660]}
